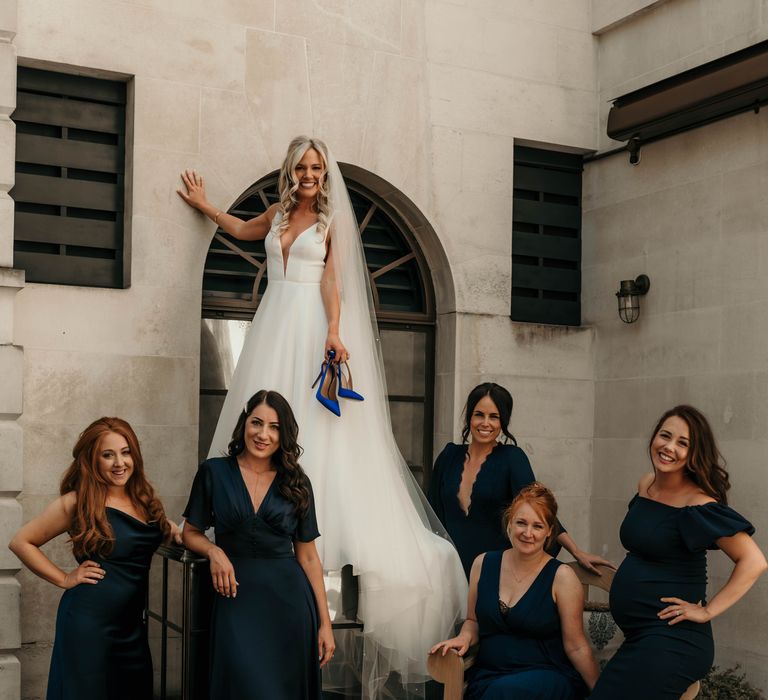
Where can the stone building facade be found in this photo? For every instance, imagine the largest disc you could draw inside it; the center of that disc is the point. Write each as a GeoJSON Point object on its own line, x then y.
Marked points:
{"type": "Point", "coordinates": [431, 97]}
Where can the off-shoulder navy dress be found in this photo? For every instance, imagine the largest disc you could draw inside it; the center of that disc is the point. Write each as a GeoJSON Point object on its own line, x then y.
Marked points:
{"type": "Point", "coordinates": [666, 557]}
{"type": "Point", "coordinates": [521, 653]}
{"type": "Point", "coordinates": [505, 471]}
{"type": "Point", "coordinates": [100, 650]}
{"type": "Point", "coordinates": [263, 641]}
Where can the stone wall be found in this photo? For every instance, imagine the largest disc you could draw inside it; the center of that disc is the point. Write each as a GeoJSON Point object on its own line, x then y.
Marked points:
{"type": "Point", "coordinates": [693, 217]}
{"type": "Point", "coordinates": [11, 370]}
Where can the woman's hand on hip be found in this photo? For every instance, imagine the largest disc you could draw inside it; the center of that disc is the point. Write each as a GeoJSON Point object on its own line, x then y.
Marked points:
{"type": "Point", "coordinates": [680, 610]}
{"type": "Point", "coordinates": [88, 572]}
{"type": "Point", "coordinates": [333, 342]}
{"type": "Point", "coordinates": [195, 189]}
{"type": "Point", "coordinates": [326, 644]}
{"type": "Point", "coordinates": [222, 573]}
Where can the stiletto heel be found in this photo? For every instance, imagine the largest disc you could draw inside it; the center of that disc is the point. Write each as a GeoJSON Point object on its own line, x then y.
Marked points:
{"type": "Point", "coordinates": [326, 392]}
{"type": "Point", "coordinates": [345, 389]}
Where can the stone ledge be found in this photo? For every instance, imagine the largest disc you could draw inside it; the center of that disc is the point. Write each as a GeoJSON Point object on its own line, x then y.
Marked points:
{"type": "Point", "coordinates": [11, 379]}
{"type": "Point", "coordinates": [11, 278]}
{"type": "Point", "coordinates": [8, 26]}
{"type": "Point", "coordinates": [10, 604]}
{"type": "Point", "coordinates": [10, 677]}
{"type": "Point", "coordinates": [10, 522]}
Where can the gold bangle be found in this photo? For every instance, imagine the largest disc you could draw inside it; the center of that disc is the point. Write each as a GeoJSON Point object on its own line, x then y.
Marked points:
{"type": "Point", "coordinates": [216, 217]}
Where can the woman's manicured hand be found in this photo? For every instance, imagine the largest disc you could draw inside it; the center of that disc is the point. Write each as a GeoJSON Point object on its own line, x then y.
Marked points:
{"type": "Point", "coordinates": [326, 644]}
{"type": "Point", "coordinates": [195, 189]}
{"type": "Point", "coordinates": [88, 572]}
{"type": "Point", "coordinates": [333, 342]}
{"type": "Point", "coordinates": [222, 573]}
{"type": "Point", "coordinates": [680, 610]}
{"type": "Point", "coordinates": [459, 644]}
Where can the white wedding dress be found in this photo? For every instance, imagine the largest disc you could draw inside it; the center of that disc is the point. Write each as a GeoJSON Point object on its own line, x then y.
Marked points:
{"type": "Point", "coordinates": [412, 585]}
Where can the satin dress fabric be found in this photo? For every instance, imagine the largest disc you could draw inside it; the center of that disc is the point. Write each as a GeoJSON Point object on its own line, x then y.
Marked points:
{"type": "Point", "coordinates": [100, 649]}
{"type": "Point", "coordinates": [263, 641]}
{"type": "Point", "coordinates": [521, 653]}
{"type": "Point", "coordinates": [666, 557]}
{"type": "Point", "coordinates": [505, 471]}
{"type": "Point", "coordinates": [412, 588]}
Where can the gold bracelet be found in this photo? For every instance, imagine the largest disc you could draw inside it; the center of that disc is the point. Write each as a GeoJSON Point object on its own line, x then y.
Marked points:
{"type": "Point", "coordinates": [216, 217]}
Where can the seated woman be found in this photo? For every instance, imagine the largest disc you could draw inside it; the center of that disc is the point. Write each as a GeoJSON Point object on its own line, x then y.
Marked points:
{"type": "Point", "coordinates": [473, 483]}
{"type": "Point", "coordinates": [525, 609]}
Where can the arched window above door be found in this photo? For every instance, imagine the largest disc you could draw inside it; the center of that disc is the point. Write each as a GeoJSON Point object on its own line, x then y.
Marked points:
{"type": "Point", "coordinates": [235, 274]}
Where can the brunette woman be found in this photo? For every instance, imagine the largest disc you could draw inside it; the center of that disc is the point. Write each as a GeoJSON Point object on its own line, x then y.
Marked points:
{"type": "Point", "coordinates": [525, 610]}
{"type": "Point", "coordinates": [658, 596]}
{"type": "Point", "coordinates": [472, 483]}
{"type": "Point", "coordinates": [115, 523]}
{"type": "Point", "coordinates": [271, 630]}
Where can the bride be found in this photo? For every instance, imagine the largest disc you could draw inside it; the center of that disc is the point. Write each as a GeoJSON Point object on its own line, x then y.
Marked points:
{"type": "Point", "coordinates": [371, 512]}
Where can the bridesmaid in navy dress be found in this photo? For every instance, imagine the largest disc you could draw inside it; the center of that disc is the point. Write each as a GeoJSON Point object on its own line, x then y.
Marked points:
{"type": "Point", "coordinates": [525, 610]}
{"type": "Point", "coordinates": [115, 523]}
{"type": "Point", "coordinates": [473, 483]}
{"type": "Point", "coordinates": [658, 594]}
{"type": "Point", "coordinates": [271, 631]}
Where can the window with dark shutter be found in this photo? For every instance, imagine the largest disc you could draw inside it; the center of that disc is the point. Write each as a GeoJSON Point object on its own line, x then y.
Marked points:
{"type": "Point", "coordinates": [70, 179]}
{"type": "Point", "coordinates": [546, 237]}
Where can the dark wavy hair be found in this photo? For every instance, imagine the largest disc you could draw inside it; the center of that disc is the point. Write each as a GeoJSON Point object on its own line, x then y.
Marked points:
{"type": "Point", "coordinates": [542, 500]}
{"type": "Point", "coordinates": [706, 466]}
{"type": "Point", "coordinates": [292, 482]}
{"type": "Point", "coordinates": [90, 531]}
{"type": "Point", "coordinates": [503, 400]}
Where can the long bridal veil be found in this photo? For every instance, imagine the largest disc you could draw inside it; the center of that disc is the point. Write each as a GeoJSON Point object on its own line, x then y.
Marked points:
{"type": "Point", "coordinates": [412, 586]}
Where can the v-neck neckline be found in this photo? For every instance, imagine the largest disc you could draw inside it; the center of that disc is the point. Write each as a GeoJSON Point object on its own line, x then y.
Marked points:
{"type": "Point", "coordinates": [527, 590]}
{"type": "Point", "coordinates": [466, 513]}
{"type": "Point", "coordinates": [285, 255]}
{"type": "Point", "coordinates": [248, 498]}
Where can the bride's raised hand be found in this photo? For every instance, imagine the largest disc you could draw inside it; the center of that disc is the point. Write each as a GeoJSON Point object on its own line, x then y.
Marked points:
{"type": "Point", "coordinates": [333, 342]}
{"type": "Point", "coordinates": [195, 189]}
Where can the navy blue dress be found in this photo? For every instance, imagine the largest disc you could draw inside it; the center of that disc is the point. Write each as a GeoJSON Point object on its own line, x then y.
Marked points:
{"type": "Point", "coordinates": [505, 471]}
{"type": "Point", "coordinates": [100, 650]}
{"type": "Point", "coordinates": [666, 557]}
{"type": "Point", "coordinates": [521, 652]}
{"type": "Point", "coordinates": [264, 641]}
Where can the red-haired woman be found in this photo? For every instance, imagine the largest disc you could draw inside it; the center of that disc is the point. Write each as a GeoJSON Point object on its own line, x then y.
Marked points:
{"type": "Point", "coordinates": [525, 610]}
{"type": "Point", "coordinates": [115, 523]}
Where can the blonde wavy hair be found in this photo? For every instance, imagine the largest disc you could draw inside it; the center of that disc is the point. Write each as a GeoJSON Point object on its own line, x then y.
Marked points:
{"type": "Point", "coordinates": [288, 184]}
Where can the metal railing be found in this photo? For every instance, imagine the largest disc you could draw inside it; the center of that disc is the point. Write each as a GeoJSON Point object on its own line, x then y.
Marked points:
{"type": "Point", "coordinates": [179, 603]}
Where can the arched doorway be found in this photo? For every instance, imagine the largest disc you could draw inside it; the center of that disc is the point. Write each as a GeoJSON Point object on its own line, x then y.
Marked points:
{"type": "Point", "coordinates": [235, 278]}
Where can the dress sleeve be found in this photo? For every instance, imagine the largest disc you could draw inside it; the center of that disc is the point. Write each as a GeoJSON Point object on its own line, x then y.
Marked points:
{"type": "Point", "coordinates": [434, 493]}
{"type": "Point", "coordinates": [199, 510]}
{"type": "Point", "coordinates": [306, 531]}
{"type": "Point", "coordinates": [700, 526]}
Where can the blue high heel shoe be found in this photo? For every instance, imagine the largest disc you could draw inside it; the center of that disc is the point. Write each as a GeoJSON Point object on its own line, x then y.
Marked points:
{"type": "Point", "coordinates": [345, 389]}
{"type": "Point", "coordinates": [326, 392]}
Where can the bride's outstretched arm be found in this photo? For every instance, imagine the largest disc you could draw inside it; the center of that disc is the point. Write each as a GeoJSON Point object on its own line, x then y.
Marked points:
{"type": "Point", "coordinates": [330, 294]}
{"type": "Point", "coordinates": [252, 230]}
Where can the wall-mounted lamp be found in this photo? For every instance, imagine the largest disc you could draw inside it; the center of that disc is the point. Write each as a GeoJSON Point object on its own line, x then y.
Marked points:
{"type": "Point", "coordinates": [629, 295]}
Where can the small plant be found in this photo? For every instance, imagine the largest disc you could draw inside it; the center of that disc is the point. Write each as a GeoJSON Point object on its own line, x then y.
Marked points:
{"type": "Point", "coordinates": [728, 685]}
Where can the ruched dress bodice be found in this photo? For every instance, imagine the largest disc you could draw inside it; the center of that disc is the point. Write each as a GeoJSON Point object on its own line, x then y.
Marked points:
{"type": "Point", "coordinates": [666, 558]}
